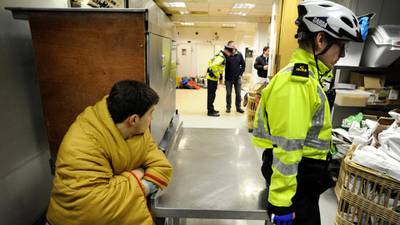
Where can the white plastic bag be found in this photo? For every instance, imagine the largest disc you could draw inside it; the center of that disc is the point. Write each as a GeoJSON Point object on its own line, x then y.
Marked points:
{"type": "Point", "coordinates": [378, 160]}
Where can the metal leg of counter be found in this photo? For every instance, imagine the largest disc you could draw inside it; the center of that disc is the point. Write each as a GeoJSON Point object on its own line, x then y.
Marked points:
{"type": "Point", "coordinates": [182, 221]}
{"type": "Point", "coordinates": [176, 221]}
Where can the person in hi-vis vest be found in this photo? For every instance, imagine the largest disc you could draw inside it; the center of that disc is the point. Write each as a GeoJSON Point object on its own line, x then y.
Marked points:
{"type": "Point", "coordinates": [216, 67]}
{"type": "Point", "coordinates": [292, 121]}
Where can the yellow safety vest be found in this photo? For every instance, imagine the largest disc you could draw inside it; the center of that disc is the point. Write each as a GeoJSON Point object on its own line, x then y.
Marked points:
{"type": "Point", "coordinates": [216, 67]}
{"type": "Point", "coordinates": [293, 118]}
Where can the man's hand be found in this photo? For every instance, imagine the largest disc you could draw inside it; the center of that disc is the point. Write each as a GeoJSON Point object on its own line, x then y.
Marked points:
{"type": "Point", "coordinates": [265, 67]}
{"type": "Point", "coordinates": [139, 173]}
{"type": "Point", "coordinates": [149, 187]}
{"type": "Point", "coordinates": [285, 219]}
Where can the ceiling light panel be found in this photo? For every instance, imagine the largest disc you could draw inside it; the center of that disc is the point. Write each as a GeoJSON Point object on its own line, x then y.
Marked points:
{"type": "Point", "coordinates": [187, 24]}
{"type": "Point", "coordinates": [244, 6]}
{"type": "Point", "coordinates": [228, 25]}
{"type": "Point", "coordinates": [238, 13]}
{"type": "Point", "coordinates": [175, 4]}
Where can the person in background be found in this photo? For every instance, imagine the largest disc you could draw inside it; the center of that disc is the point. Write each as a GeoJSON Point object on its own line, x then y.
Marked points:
{"type": "Point", "coordinates": [108, 162]}
{"type": "Point", "coordinates": [234, 69]}
{"type": "Point", "coordinates": [261, 63]}
{"type": "Point", "coordinates": [216, 67]}
{"type": "Point", "coordinates": [292, 122]}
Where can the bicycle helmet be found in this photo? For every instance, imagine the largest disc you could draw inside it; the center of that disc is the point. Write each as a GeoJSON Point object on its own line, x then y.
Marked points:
{"type": "Point", "coordinates": [334, 19]}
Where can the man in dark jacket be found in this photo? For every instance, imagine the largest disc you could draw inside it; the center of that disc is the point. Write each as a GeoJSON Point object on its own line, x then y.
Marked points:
{"type": "Point", "coordinates": [234, 69]}
{"type": "Point", "coordinates": [261, 63]}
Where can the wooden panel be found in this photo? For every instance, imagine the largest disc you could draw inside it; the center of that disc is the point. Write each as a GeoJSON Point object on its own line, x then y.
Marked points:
{"type": "Point", "coordinates": [79, 57]}
{"type": "Point", "coordinates": [287, 43]}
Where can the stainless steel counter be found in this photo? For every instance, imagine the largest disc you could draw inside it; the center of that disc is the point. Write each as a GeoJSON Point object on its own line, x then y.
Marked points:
{"type": "Point", "coordinates": [216, 175]}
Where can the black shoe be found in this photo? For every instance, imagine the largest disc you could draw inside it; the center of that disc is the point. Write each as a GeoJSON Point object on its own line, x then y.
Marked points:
{"type": "Point", "coordinates": [215, 111]}
{"type": "Point", "coordinates": [239, 110]}
{"type": "Point", "coordinates": [213, 114]}
{"type": "Point", "coordinates": [228, 110]}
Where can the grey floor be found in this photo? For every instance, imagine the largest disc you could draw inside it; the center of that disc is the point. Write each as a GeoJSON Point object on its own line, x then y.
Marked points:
{"type": "Point", "coordinates": [328, 202]}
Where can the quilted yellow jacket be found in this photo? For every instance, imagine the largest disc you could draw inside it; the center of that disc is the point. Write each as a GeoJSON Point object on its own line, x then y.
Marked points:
{"type": "Point", "coordinates": [92, 184]}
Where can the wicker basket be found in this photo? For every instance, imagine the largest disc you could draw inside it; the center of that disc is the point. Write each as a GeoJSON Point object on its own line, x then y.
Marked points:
{"type": "Point", "coordinates": [366, 196]}
{"type": "Point", "coordinates": [251, 110]}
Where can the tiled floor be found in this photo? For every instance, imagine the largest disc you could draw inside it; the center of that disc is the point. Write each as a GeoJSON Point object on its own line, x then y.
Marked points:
{"type": "Point", "coordinates": [191, 106]}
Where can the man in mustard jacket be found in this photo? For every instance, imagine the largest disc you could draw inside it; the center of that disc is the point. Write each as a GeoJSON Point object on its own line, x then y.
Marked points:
{"type": "Point", "coordinates": [108, 162]}
{"type": "Point", "coordinates": [293, 123]}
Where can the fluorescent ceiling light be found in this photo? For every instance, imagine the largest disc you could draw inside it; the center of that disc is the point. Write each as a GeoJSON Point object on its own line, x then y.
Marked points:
{"type": "Point", "coordinates": [183, 12]}
{"type": "Point", "coordinates": [187, 23]}
{"type": "Point", "coordinates": [175, 4]}
{"type": "Point", "coordinates": [228, 25]}
{"type": "Point", "coordinates": [244, 6]}
{"type": "Point", "coordinates": [238, 13]}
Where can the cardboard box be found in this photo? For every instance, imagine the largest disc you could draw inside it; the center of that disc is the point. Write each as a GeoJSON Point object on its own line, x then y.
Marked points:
{"type": "Point", "coordinates": [357, 79]}
{"type": "Point", "coordinates": [367, 80]}
{"type": "Point", "coordinates": [373, 82]}
{"type": "Point", "coordinates": [355, 98]}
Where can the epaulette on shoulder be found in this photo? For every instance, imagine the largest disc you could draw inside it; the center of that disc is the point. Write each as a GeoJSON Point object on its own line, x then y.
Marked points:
{"type": "Point", "coordinates": [300, 69]}
{"type": "Point", "coordinates": [300, 73]}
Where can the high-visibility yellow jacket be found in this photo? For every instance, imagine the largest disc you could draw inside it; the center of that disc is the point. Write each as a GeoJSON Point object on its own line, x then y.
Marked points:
{"type": "Point", "coordinates": [93, 183]}
{"type": "Point", "coordinates": [293, 118]}
{"type": "Point", "coordinates": [216, 67]}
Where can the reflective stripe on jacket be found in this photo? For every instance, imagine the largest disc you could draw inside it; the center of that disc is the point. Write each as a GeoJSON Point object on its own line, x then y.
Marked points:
{"type": "Point", "coordinates": [216, 67]}
{"type": "Point", "coordinates": [293, 118]}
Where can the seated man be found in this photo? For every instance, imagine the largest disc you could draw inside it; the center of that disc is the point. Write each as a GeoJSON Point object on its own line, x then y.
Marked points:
{"type": "Point", "coordinates": [108, 162]}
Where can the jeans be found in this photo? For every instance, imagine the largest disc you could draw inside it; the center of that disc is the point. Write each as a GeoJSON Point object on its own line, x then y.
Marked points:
{"type": "Point", "coordinates": [238, 98]}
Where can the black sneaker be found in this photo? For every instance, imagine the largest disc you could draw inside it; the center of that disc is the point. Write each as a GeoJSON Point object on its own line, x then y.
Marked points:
{"type": "Point", "coordinates": [239, 110]}
{"type": "Point", "coordinates": [215, 111]}
{"type": "Point", "coordinates": [213, 114]}
{"type": "Point", "coordinates": [228, 110]}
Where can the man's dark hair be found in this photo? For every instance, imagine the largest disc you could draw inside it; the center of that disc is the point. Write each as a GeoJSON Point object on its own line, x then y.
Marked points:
{"type": "Point", "coordinates": [229, 42]}
{"type": "Point", "coordinates": [129, 97]}
{"type": "Point", "coordinates": [265, 48]}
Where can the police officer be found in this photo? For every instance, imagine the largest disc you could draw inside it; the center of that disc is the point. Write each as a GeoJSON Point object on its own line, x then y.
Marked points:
{"type": "Point", "coordinates": [216, 67]}
{"type": "Point", "coordinates": [292, 122]}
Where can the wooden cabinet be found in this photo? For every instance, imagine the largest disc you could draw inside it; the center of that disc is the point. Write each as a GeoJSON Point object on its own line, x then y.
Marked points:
{"type": "Point", "coordinates": [81, 53]}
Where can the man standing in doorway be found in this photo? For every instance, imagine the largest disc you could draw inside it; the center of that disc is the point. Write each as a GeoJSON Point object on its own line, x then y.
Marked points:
{"type": "Point", "coordinates": [216, 67]}
{"type": "Point", "coordinates": [261, 63]}
{"type": "Point", "coordinates": [234, 69]}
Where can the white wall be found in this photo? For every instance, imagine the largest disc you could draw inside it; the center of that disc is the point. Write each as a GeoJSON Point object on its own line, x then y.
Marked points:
{"type": "Point", "coordinates": [184, 60]}
{"type": "Point", "coordinates": [273, 36]}
{"type": "Point", "coordinates": [262, 39]}
{"type": "Point", "coordinates": [210, 40]}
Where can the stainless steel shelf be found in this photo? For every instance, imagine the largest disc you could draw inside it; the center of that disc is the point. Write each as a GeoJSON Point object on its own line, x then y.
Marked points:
{"type": "Point", "coordinates": [216, 176]}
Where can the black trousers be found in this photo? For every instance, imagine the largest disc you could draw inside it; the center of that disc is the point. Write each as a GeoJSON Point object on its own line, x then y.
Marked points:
{"type": "Point", "coordinates": [211, 89]}
{"type": "Point", "coordinates": [312, 180]}
{"type": "Point", "coordinates": [228, 85]}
